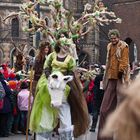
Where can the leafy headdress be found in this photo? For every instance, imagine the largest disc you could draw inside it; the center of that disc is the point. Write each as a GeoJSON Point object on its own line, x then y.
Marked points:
{"type": "Point", "coordinates": [65, 41]}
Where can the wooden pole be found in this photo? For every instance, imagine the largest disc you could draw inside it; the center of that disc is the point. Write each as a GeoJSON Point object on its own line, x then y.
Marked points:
{"type": "Point", "coordinates": [29, 102]}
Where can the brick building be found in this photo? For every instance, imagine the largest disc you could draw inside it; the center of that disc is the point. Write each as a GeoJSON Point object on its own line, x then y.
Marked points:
{"type": "Point", "coordinates": [129, 11]}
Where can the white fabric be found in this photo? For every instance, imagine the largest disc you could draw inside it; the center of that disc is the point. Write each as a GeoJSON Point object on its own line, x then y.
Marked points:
{"type": "Point", "coordinates": [38, 137]}
{"type": "Point", "coordinates": [44, 118]}
{"type": "Point", "coordinates": [65, 118]}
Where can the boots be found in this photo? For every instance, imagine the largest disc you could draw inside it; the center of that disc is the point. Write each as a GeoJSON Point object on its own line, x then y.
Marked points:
{"type": "Point", "coordinates": [94, 123]}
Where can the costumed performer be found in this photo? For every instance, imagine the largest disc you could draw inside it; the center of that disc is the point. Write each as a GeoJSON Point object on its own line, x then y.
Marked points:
{"type": "Point", "coordinates": [42, 111]}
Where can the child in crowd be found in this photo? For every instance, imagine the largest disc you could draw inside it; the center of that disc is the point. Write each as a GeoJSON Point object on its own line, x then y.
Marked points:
{"type": "Point", "coordinates": [14, 84]}
{"type": "Point", "coordinates": [22, 100]}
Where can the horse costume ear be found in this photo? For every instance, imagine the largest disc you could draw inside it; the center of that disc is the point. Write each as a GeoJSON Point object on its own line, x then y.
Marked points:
{"type": "Point", "coordinates": [68, 78]}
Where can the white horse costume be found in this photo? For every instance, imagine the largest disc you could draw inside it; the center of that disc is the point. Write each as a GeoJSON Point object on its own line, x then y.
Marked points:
{"type": "Point", "coordinates": [56, 85]}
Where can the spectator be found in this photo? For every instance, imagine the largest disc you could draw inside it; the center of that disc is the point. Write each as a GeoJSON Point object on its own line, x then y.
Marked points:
{"type": "Point", "coordinates": [6, 110]}
{"type": "Point", "coordinates": [98, 96]}
{"type": "Point", "coordinates": [22, 101]}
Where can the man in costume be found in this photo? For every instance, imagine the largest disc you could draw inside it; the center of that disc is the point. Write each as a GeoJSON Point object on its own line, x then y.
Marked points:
{"type": "Point", "coordinates": [117, 70]}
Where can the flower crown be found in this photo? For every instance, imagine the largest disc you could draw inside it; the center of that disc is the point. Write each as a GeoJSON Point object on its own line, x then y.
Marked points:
{"type": "Point", "coordinates": [65, 41]}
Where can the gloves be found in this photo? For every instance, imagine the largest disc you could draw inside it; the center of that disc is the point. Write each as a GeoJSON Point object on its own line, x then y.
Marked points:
{"type": "Point", "coordinates": [120, 74]}
{"type": "Point", "coordinates": [47, 72]}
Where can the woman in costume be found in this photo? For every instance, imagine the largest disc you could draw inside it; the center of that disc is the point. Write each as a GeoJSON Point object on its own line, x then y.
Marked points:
{"type": "Point", "coordinates": [44, 51]}
{"type": "Point", "coordinates": [44, 117]}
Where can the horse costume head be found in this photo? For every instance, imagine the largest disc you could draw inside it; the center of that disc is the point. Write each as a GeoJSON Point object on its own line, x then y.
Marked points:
{"type": "Point", "coordinates": [56, 86]}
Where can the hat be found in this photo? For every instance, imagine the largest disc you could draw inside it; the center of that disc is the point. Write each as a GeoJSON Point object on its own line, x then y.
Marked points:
{"type": "Point", "coordinates": [12, 84]}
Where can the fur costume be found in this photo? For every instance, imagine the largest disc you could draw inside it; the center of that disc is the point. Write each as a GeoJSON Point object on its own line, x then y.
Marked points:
{"type": "Point", "coordinates": [123, 66]}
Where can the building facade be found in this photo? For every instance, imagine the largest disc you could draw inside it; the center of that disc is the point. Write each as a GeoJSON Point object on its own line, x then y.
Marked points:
{"type": "Point", "coordinates": [87, 47]}
{"type": "Point", "coordinates": [129, 12]}
{"type": "Point", "coordinates": [92, 47]}
{"type": "Point", "coordinates": [11, 30]}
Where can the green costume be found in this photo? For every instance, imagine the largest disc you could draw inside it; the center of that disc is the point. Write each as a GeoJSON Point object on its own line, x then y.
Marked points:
{"type": "Point", "coordinates": [44, 118]}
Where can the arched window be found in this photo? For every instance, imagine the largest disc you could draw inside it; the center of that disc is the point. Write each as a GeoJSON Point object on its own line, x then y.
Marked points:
{"type": "Point", "coordinates": [131, 43]}
{"type": "Point", "coordinates": [84, 59]}
{"type": "Point", "coordinates": [32, 53]}
{"type": "Point", "coordinates": [128, 40]}
{"type": "Point", "coordinates": [13, 57]}
{"type": "Point", "coordinates": [15, 27]}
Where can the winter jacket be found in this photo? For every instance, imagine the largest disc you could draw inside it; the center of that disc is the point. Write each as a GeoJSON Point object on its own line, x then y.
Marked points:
{"type": "Point", "coordinates": [8, 102]}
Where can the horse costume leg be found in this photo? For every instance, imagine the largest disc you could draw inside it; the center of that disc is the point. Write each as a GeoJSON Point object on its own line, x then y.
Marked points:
{"type": "Point", "coordinates": [66, 128]}
{"type": "Point", "coordinates": [66, 136]}
{"type": "Point", "coordinates": [44, 136]}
